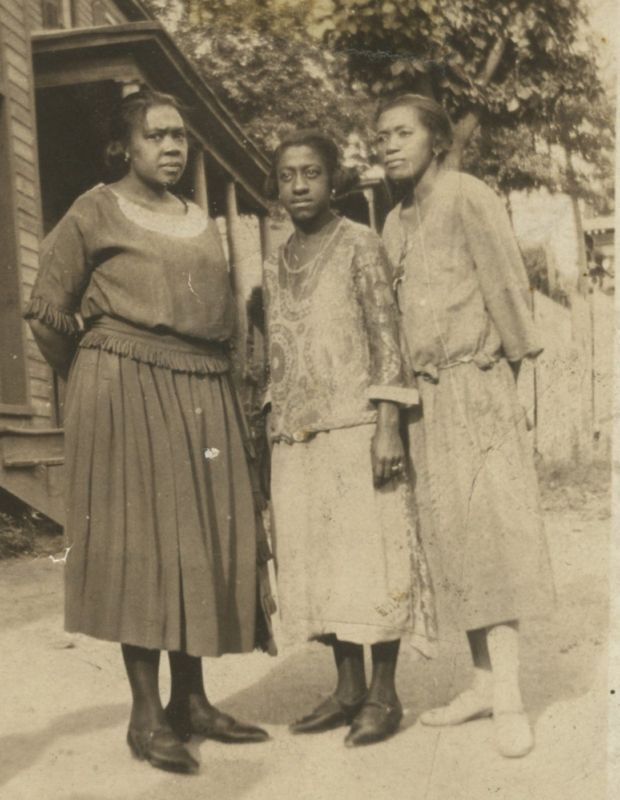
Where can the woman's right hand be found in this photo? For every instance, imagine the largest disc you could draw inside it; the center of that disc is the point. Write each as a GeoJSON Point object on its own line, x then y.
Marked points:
{"type": "Point", "coordinates": [58, 349]}
{"type": "Point", "coordinates": [387, 450]}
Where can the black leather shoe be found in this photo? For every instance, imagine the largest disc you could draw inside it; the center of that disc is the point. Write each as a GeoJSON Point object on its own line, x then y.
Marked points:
{"type": "Point", "coordinates": [162, 749]}
{"type": "Point", "coordinates": [214, 724]}
{"type": "Point", "coordinates": [331, 713]}
{"type": "Point", "coordinates": [375, 722]}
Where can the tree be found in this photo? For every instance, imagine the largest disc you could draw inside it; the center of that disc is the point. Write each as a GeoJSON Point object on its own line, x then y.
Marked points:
{"type": "Point", "coordinates": [518, 79]}
{"type": "Point", "coordinates": [258, 56]}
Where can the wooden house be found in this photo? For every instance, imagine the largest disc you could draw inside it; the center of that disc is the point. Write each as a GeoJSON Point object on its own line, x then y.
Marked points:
{"type": "Point", "coordinates": [63, 64]}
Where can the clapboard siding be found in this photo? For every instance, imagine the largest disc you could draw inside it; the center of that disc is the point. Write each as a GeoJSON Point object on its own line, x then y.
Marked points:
{"type": "Point", "coordinates": [22, 133]}
{"type": "Point", "coordinates": [29, 275]}
{"type": "Point", "coordinates": [25, 168]}
{"type": "Point", "coordinates": [13, 10]}
{"type": "Point", "coordinates": [23, 116]}
{"type": "Point", "coordinates": [34, 354]}
{"type": "Point", "coordinates": [40, 370]}
{"type": "Point", "coordinates": [21, 97]}
{"type": "Point", "coordinates": [25, 186]}
{"type": "Point", "coordinates": [15, 21]}
{"type": "Point", "coordinates": [83, 13]}
{"type": "Point", "coordinates": [27, 223]}
{"type": "Point", "coordinates": [41, 411]}
{"type": "Point", "coordinates": [17, 78]}
{"type": "Point", "coordinates": [24, 151]}
{"type": "Point", "coordinates": [27, 206]}
{"type": "Point", "coordinates": [18, 60]}
{"type": "Point", "coordinates": [35, 14]}
{"type": "Point", "coordinates": [30, 261]}
{"type": "Point", "coordinates": [29, 240]}
{"type": "Point", "coordinates": [12, 24]}
{"type": "Point", "coordinates": [13, 39]}
{"type": "Point", "coordinates": [40, 387]}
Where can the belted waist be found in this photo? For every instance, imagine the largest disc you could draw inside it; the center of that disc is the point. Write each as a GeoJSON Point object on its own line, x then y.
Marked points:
{"type": "Point", "coordinates": [156, 346]}
{"type": "Point", "coordinates": [481, 359]}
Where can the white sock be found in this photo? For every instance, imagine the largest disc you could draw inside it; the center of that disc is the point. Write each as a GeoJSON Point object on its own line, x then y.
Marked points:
{"type": "Point", "coordinates": [482, 683]}
{"type": "Point", "coordinates": [503, 645]}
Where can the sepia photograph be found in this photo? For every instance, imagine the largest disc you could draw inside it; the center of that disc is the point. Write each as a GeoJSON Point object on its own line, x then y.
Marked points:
{"type": "Point", "coordinates": [308, 402]}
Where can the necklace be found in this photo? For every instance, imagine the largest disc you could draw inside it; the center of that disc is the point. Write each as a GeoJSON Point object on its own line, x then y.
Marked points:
{"type": "Point", "coordinates": [327, 240]}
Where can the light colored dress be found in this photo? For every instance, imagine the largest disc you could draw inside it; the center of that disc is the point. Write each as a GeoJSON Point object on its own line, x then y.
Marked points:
{"type": "Point", "coordinates": [463, 293]}
{"type": "Point", "coordinates": [163, 540]}
{"type": "Point", "coordinates": [348, 555]}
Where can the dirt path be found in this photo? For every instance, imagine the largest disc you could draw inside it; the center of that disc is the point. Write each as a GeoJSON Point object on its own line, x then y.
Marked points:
{"type": "Point", "coordinates": [64, 706]}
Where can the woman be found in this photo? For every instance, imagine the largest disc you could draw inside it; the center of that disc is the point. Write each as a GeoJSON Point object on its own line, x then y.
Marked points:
{"type": "Point", "coordinates": [350, 567]}
{"type": "Point", "coordinates": [162, 537]}
{"type": "Point", "coordinates": [463, 289]}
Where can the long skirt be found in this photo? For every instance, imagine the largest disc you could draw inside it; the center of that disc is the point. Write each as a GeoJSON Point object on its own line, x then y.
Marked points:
{"type": "Point", "coordinates": [160, 515]}
{"type": "Point", "coordinates": [349, 560]}
{"type": "Point", "coordinates": [476, 486]}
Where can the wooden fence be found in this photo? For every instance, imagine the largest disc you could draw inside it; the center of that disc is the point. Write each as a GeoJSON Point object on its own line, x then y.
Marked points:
{"type": "Point", "coordinates": [568, 391]}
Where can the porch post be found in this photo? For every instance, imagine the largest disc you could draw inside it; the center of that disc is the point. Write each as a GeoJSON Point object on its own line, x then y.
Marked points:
{"type": "Point", "coordinates": [234, 252]}
{"type": "Point", "coordinates": [265, 236]}
{"type": "Point", "coordinates": [372, 212]}
{"type": "Point", "coordinates": [201, 196]}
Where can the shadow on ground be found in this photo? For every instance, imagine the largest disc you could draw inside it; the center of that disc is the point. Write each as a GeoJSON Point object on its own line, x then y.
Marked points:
{"type": "Point", "coordinates": [20, 751]}
{"type": "Point", "coordinates": [559, 657]}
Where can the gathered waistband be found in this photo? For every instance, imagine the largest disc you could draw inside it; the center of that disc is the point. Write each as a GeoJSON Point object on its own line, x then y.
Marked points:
{"type": "Point", "coordinates": [159, 348]}
{"type": "Point", "coordinates": [482, 360]}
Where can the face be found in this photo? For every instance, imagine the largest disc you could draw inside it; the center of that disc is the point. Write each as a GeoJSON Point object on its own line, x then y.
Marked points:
{"type": "Point", "coordinates": [404, 144]}
{"type": "Point", "coordinates": [304, 185]}
{"type": "Point", "coordinates": [158, 147]}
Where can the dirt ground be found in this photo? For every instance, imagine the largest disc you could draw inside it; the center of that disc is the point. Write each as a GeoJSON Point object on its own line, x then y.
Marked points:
{"type": "Point", "coordinates": [64, 702]}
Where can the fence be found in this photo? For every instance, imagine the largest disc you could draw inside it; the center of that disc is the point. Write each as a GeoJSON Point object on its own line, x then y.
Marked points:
{"type": "Point", "coordinates": [568, 391]}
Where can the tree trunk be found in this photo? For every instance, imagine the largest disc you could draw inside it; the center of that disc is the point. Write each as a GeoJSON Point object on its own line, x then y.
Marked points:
{"type": "Point", "coordinates": [466, 126]}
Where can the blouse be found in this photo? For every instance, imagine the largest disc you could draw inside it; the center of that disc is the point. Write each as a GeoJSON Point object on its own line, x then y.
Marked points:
{"type": "Point", "coordinates": [461, 282]}
{"type": "Point", "coordinates": [333, 341]}
{"type": "Point", "coordinates": [126, 269]}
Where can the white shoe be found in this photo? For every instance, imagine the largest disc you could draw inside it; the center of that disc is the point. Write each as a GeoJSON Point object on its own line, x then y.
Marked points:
{"type": "Point", "coordinates": [468, 705]}
{"type": "Point", "coordinates": [513, 733]}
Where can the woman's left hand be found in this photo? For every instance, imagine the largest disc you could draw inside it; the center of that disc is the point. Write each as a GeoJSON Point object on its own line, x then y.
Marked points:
{"type": "Point", "coordinates": [387, 451]}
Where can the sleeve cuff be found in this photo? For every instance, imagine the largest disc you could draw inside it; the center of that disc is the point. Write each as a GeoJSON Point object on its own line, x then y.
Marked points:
{"type": "Point", "coordinates": [52, 316]}
{"type": "Point", "coordinates": [402, 395]}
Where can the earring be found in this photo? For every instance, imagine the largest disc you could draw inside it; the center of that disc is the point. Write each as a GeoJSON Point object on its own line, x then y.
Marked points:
{"type": "Point", "coordinates": [126, 157]}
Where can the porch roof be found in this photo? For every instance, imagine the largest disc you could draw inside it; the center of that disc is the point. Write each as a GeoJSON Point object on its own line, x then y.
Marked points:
{"type": "Point", "coordinates": [145, 51]}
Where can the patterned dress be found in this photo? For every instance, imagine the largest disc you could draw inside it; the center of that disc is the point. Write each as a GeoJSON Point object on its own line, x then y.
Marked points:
{"type": "Point", "coordinates": [349, 557]}
{"type": "Point", "coordinates": [163, 539]}
{"type": "Point", "coordinates": [463, 292]}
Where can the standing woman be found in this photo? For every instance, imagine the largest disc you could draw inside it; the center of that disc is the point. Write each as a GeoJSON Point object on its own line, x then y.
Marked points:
{"type": "Point", "coordinates": [162, 539]}
{"type": "Point", "coordinates": [350, 567]}
{"type": "Point", "coordinates": [463, 290]}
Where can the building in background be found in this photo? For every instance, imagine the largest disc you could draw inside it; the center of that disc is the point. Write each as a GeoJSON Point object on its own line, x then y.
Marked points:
{"type": "Point", "coordinates": [63, 66]}
{"type": "Point", "coordinates": [600, 247]}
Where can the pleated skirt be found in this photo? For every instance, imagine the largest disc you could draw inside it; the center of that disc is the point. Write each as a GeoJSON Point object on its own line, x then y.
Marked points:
{"type": "Point", "coordinates": [476, 487]}
{"type": "Point", "coordinates": [160, 515]}
{"type": "Point", "coordinates": [349, 559]}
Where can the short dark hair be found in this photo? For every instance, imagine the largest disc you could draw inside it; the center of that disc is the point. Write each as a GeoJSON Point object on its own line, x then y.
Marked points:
{"type": "Point", "coordinates": [314, 138]}
{"type": "Point", "coordinates": [131, 111]}
{"type": "Point", "coordinates": [431, 113]}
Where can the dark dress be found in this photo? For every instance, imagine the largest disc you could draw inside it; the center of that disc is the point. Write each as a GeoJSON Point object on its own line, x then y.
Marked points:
{"type": "Point", "coordinates": [161, 518]}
